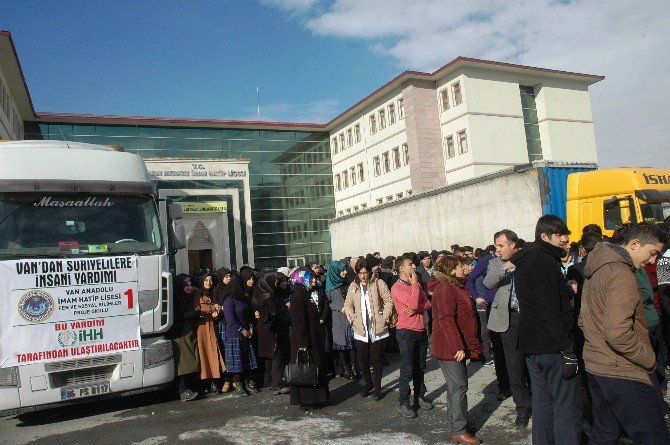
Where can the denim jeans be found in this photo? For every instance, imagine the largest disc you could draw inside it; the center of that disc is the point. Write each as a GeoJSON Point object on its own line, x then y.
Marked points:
{"type": "Point", "coordinates": [413, 351]}
{"type": "Point", "coordinates": [556, 402]}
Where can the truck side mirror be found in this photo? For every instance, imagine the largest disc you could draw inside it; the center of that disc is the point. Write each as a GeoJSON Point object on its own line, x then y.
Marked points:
{"type": "Point", "coordinates": [175, 211]}
{"type": "Point", "coordinates": [178, 235]}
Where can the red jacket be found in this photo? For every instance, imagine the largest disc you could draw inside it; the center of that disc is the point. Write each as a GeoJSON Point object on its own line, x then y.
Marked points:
{"type": "Point", "coordinates": [454, 322]}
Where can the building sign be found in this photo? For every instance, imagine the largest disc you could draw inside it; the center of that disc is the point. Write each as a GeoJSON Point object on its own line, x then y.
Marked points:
{"type": "Point", "coordinates": [204, 207]}
{"type": "Point", "coordinates": [60, 309]}
{"type": "Point", "coordinates": [197, 170]}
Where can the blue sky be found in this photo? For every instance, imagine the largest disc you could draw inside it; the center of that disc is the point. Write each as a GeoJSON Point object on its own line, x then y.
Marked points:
{"type": "Point", "coordinates": [314, 58]}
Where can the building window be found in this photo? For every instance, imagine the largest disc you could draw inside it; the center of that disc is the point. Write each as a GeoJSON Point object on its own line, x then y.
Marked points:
{"type": "Point", "coordinates": [449, 145]}
{"type": "Point", "coordinates": [349, 211]}
{"type": "Point", "coordinates": [456, 93]}
{"type": "Point", "coordinates": [345, 180]}
{"type": "Point", "coordinates": [530, 123]}
{"type": "Point", "coordinates": [361, 172]}
{"type": "Point", "coordinates": [382, 119]}
{"type": "Point", "coordinates": [386, 164]}
{"type": "Point", "coordinates": [364, 206]}
{"type": "Point", "coordinates": [444, 100]}
{"type": "Point", "coordinates": [334, 144]}
{"type": "Point", "coordinates": [373, 124]}
{"type": "Point", "coordinates": [340, 213]}
{"type": "Point", "coordinates": [391, 114]}
{"type": "Point", "coordinates": [405, 154]}
{"type": "Point", "coordinates": [377, 164]}
{"type": "Point", "coordinates": [380, 201]}
{"type": "Point", "coordinates": [398, 195]}
{"type": "Point", "coordinates": [352, 173]}
{"type": "Point", "coordinates": [462, 142]}
{"type": "Point", "coordinates": [350, 137]}
{"type": "Point", "coordinates": [355, 209]}
{"type": "Point", "coordinates": [342, 141]}
{"type": "Point", "coordinates": [401, 109]}
{"type": "Point", "coordinates": [357, 131]}
{"type": "Point", "coordinates": [389, 198]}
{"type": "Point", "coordinates": [409, 193]}
{"type": "Point", "coordinates": [338, 182]}
{"type": "Point", "coordinates": [396, 157]}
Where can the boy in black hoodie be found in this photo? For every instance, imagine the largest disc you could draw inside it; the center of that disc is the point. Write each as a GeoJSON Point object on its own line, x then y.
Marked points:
{"type": "Point", "coordinates": [545, 334]}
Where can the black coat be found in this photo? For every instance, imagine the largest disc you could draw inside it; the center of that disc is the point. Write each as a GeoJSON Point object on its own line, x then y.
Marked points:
{"type": "Point", "coordinates": [545, 300]}
{"type": "Point", "coordinates": [307, 332]}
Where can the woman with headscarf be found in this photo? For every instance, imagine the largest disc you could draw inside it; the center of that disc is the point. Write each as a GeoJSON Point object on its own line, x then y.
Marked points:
{"type": "Point", "coordinates": [211, 361]}
{"type": "Point", "coordinates": [249, 280]}
{"type": "Point", "coordinates": [274, 345]}
{"type": "Point", "coordinates": [184, 340]}
{"type": "Point", "coordinates": [307, 338]}
{"type": "Point", "coordinates": [346, 362]}
{"type": "Point", "coordinates": [240, 356]}
{"type": "Point", "coordinates": [223, 277]}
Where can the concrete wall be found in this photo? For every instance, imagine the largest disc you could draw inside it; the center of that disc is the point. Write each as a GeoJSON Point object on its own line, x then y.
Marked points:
{"type": "Point", "coordinates": [465, 214]}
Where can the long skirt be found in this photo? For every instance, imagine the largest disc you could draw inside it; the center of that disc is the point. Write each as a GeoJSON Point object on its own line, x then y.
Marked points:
{"type": "Point", "coordinates": [240, 355]}
{"type": "Point", "coordinates": [349, 338]}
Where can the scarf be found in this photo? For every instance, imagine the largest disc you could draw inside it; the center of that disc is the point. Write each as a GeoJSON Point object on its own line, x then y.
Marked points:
{"type": "Point", "coordinates": [333, 278]}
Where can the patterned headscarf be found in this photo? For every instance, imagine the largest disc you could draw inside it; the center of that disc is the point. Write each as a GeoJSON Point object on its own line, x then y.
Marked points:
{"type": "Point", "coordinates": [301, 277]}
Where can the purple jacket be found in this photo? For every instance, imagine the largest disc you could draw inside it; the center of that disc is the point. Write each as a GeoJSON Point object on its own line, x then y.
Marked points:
{"type": "Point", "coordinates": [475, 283]}
{"type": "Point", "coordinates": [237, 313]}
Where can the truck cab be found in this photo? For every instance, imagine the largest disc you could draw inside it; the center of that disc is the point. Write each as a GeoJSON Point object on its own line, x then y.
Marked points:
{"type": "Point", "coordinates": [617, 196]}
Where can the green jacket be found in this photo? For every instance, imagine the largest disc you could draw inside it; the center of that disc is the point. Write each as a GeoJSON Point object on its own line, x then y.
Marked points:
{"type": "Point", "coordinates": [647, 298]}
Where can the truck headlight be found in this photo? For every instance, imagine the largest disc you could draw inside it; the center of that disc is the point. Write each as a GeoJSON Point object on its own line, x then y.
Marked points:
{"type": "Point", "coordinates": [10, 377]}
{"type": "Point", "coordinates": [157, 353]}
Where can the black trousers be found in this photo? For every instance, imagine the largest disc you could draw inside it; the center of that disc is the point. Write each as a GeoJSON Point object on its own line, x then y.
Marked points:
{"type": "Point", "coordinates": [633, 406]}
{"type": "Point", "coordinates": [371, 354]}
{"type": "Point", "coordinates": [274, 367]}
{"type": "Point", "coordinates": [516, 365]}
{"type": "Point", "coordinates": [557, 404]}
{"type": "Point", "coordinates": [498, 355]}
{"type": "Point", "coordinates": [413, 352]}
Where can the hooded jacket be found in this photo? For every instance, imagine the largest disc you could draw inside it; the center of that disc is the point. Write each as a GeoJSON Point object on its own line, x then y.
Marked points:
{"type": "Point", "coordinates": [612, 318]}
{"type": "Point", "coordinates": [545, 300]}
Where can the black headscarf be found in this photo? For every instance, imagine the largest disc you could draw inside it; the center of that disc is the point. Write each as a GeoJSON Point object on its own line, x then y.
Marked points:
{"type": "Point", "coordinates": [235, 289]}
{"type": "Point", "coordinates": [266, 287]}
{"type": "Point", "coordinates": [208, 292]}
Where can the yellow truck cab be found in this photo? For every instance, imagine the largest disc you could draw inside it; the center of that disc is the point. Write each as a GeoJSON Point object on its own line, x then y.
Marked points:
{"type": "Point", "coordinates": [616, 196]}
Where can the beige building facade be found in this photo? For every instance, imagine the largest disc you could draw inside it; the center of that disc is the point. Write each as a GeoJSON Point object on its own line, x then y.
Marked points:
{"type": "Point", "coordinates": [470, 118]}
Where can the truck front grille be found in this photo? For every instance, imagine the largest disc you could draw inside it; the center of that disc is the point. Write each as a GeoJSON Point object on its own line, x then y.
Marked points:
{"type": "Point", "coordinates": [81, 376]}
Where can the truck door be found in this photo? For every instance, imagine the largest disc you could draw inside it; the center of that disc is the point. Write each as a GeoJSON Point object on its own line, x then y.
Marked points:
{"type": "Point", "coordinates": [618, 210]}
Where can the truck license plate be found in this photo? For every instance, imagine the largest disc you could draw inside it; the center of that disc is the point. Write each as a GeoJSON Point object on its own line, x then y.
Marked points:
{"type": "Point", "coordinates": [67, 393]}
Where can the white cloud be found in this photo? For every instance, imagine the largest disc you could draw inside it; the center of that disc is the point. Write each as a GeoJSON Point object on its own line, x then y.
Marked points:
{"type": "Point", "coordinates": [624, 40]}
{"type": "Point", "coordinates": [292, 5]}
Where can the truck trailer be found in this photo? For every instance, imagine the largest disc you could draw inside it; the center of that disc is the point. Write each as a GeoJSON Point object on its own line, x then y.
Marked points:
{"type": "Point", "coordinates": [85, 285]}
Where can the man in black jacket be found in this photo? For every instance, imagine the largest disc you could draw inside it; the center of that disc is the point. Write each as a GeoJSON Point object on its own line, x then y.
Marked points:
{"type": "Point", "coordinates": [545, 334]}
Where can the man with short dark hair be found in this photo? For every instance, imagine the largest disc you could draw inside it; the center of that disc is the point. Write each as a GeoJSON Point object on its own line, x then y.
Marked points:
{"type": "Point", "coordinates": [504, 319]}
{"type": "Point", "coordinates": [618, 355]}
{"type": "Point", "coordinates": [411, 302]}
{"type": "Point", "coordinates": [545, 334]}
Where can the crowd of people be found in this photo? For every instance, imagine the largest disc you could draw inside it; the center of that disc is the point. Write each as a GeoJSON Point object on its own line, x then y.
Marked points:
{"type": "Point", "coordinates": [575, 331]}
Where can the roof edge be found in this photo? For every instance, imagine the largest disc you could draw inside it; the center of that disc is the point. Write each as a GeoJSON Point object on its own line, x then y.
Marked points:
{"type": "Point", "coordinates": [18, 63]}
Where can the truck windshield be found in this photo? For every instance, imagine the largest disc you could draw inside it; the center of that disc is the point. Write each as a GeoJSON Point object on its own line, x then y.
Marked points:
{"type": "Point", "coordinates": [35, 224]}
{"type": "Point", "coordinates": [655, 211]}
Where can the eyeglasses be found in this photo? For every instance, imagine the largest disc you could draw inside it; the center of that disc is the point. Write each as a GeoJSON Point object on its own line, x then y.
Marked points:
{"type": "Point", "coordinates": [362, 274]}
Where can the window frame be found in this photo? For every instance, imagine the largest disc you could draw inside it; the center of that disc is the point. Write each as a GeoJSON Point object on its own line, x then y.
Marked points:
{"type": "Point", "coordinates": [457, 98]}
{"type": "Point", "coordinates": [450, 153]}
{"type": "Point", "coordinates": [352, 173]}
{"type": "Point", "coordinates": [376, 162]}
{"type": "Point", "coordinates": [373, 124]}
{"type": "Point", "coordinates": [401, 109]}
{"type": "Point", "coordinates": [350, 137]}
{"type": "Point", "coordinates": [460, 142]}
{"type": "Point", "coordinates": [392, 118]}
{"type": "Point", "coordinates": [361, 172]}
{"type": "Point", "coordinates": [395, 158]}
{"type": "Point", "coordinates": [444, 99]}
{"type": "Point", "coordinates": [357, 132]}
{"type": "Point", "coordinates": [345, 179]}
{"type": "Point", "coordinates": [405, 153]}
{"type": "Point", "coordinates": [382, 118]}
{"type": "Point", "coordinates": [386, 162]}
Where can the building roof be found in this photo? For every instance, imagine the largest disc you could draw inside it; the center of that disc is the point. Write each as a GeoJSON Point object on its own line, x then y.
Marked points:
{"type": "Point", "coordinates": [10, 62]}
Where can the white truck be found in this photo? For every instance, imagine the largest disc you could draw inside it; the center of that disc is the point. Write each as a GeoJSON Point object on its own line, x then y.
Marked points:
{"type": "Point", "coordinates": [85, 284]}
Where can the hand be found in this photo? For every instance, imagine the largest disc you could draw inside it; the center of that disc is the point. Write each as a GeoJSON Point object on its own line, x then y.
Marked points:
{"type": "Point", "coordinates": [257, 314]}
{"type": "Point", "coordinates": [575, 287]}
{"type": "Point", "coordinates": [481, 303]}
{"type": "Point", "coordinates": [288, 305]}
{"type": "Point", "coordinates": [509, 266]}
{"type": "Point", "coordinates": [570, 365]}
{"type": "Point", "coordinates": [410, 312]}
{"type": "Point", "coordinates": [460, 356]}
{"type": "Point", "coordinates": [246, 333]}
{"type": "Point", "coordinates": [302, 349]}
{"type": "Point", "coordinates": [413, 279]}
{"type": "Point", "coordinates": [321, 322]}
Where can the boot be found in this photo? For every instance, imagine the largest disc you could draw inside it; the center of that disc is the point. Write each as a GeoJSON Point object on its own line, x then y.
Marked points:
{"type": "Point", "coordinates": [214, 387]}
{"type": "Point", "coordinates": [241, 388]}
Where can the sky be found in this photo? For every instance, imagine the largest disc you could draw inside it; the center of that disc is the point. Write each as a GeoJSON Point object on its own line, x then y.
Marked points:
{"type": "Point", "coordinates": [313, 59]}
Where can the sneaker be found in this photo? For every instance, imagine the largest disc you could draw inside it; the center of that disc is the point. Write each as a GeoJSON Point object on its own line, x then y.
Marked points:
{"type": "Point", "coordinates": [188, 395]}
{"type": "Point", "coordinates": [423, 403]}
{"type": "Point", "coordinates": [488, 362]}
{"type": "Point", "coordinates": [407, 411]}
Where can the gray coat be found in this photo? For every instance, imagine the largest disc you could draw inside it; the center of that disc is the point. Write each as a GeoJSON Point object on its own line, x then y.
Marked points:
{"type": "Point", "coordinates": [498, 320]}
{"type": "Point", "coordinates": [340, 323]}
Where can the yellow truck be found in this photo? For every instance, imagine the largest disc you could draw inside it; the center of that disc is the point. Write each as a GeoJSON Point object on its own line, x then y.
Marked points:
{"type": "Point", "coordinates": [616, 196]}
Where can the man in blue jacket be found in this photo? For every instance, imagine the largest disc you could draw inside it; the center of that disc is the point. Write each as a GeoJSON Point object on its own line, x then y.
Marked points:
{"type": "Point", "coordinates": [483, 298]}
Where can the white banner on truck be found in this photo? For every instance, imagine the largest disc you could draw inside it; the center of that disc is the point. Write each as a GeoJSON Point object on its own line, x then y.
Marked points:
{"type": "Point", "coordinates": [61, 309]}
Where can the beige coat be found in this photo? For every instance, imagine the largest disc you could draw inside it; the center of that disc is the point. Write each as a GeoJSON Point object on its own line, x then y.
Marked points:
{"type": "Point", "coordinates": [381, 305]}
{"type": "Point", "coordinates": [612, 318]}
{"type": "Point", "coordinates": [211, 361]}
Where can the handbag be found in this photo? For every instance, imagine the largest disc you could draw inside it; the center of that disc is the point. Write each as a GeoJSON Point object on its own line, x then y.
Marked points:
{"type": "Point", "coordinates": [393, 319]}
{"type": "Point", "coordinates": [302, 374]}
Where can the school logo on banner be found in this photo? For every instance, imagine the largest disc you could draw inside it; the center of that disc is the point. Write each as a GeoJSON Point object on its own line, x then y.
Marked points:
{"type": "Point", "coordinates": [36, 306]}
